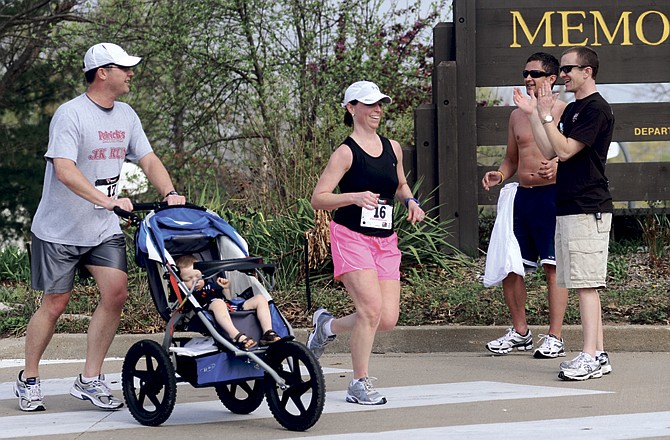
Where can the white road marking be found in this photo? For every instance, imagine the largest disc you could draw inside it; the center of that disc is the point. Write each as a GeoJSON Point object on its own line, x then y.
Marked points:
{"type": "Point", "coordinates": [54, 387]}
{"type": "Point", "coordinates": [43, 424]}
{"type": "Point", "coordinates": [18, 363]}
{"type": "Point", "coordinates": [620, 426]}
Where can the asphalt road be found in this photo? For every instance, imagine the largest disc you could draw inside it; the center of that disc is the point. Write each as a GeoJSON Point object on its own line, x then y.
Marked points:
{"type": "Point", "coordinates": [466, 394]}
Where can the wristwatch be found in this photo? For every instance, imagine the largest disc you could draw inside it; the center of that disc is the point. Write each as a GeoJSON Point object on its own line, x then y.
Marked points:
{"type": "Point", "coordinates": [547, 119]}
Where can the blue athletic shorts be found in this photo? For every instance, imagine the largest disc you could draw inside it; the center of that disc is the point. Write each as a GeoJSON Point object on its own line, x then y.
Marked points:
{"type": "Point", "coordinates": [535, 224]}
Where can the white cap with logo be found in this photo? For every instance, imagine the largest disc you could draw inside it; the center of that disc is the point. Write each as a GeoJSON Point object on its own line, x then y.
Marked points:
{"type": "Point", "coordinates": [366, 92]}
{"type": "Point", "coordinates": [103, 54]}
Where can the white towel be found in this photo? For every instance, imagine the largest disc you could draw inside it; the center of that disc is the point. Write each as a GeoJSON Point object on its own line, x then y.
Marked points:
{"type": "Point", "coordinates": [504, 254]}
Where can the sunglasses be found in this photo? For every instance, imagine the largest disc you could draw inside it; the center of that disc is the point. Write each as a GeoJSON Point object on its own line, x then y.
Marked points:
{"type": "Point", "coordinates": [568, 67]}
{"type": "Point", "coordinates": [534, 73]}
{"type": "Point", "coordinates": [114, 66]}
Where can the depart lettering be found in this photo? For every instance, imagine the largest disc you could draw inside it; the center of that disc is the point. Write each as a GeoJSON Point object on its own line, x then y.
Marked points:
{"type": "Point", "coordinates": [651, 131]}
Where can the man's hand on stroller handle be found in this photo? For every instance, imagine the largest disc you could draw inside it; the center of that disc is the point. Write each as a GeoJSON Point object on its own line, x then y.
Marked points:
{"type": "Point", "coordinates": [133, 219]}
{"type": "Point", "coordinates": [121, 203]}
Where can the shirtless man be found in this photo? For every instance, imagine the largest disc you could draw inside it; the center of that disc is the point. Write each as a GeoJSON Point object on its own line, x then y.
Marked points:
{"type": "Point", "coordinates": [534, 218]}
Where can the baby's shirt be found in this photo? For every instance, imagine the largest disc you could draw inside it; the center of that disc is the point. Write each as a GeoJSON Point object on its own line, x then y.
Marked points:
{"type": "Point", "coordinates": [213, 290]}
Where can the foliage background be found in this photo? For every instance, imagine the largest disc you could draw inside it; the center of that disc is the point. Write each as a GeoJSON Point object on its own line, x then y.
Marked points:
{"type": "Point", "coordinates": [241, 100]}
{"type": "Point", "coordinates": [239, 96]}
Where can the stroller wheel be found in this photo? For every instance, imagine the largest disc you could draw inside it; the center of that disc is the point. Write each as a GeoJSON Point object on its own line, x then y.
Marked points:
{"type": "Point", "coordinates": [149, 384]}
{"type": "Point", "coordinates": [299, 406]}
{"type": "Point", "coordinates": [241, 397]}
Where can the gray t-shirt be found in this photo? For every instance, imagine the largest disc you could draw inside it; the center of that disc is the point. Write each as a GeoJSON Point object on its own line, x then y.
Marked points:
{"type": "Point", "coordinates": [98, 141]}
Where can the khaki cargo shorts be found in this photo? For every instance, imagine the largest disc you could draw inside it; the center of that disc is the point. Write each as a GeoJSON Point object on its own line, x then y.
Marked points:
{"type": "Point", "coordinates": [581, 250]}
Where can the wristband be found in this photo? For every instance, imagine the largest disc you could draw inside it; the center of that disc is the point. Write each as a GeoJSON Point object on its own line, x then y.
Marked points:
{"type": "Point", "coordinates": [502, 177]}
{"type": "Point", "coordinates": [171, 193]}
{"type": "Point", "coordinates": [407, 200]}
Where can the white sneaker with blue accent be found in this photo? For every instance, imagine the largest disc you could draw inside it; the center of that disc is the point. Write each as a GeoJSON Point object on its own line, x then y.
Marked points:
{"type": "Point", "coordinates": [96, 391]}
{"type": "Point", "coordinates": [29, 392]}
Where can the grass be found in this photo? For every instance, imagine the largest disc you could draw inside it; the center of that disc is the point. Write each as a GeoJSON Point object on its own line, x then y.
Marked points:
{"type": "Point", "coordinates": [638, 292]}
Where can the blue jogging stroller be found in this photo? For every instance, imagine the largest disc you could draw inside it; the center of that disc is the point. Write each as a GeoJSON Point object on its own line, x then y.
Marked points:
{"type": "Point", "coordinates": [285, 372]}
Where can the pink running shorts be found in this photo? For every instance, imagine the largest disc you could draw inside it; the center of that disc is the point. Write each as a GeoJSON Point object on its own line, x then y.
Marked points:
{"type": "Point", "coordinates": [354, 251]}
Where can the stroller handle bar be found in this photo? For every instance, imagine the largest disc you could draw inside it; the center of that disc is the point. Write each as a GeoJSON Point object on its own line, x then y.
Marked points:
{"type": "Point", "coordinates": [248, 264]}
{"type": "Point", "coordinates": [135, 220]}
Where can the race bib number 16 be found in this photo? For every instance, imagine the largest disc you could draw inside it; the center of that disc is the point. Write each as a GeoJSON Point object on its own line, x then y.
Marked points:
{"type": "Point", "coordinates": [380, 217]}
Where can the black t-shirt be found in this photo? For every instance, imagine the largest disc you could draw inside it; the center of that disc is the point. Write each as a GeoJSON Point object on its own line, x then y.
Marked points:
{"type": "Point", "coordinates": [582, 187]}
{"type": "Point", "coordinates": [367, 173]}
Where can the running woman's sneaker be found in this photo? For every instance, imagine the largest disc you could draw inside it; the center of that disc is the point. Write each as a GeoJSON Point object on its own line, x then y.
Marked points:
{"type": "Point", "coordinates": [362, 392]}
{"type": "Point", "coordinates": [551, 347]}
{"type": "Point", "coordinates": [318, 339]}
{"type": "Point", "coordinates": [604, 360]}
{"type": "Point", "coordinates": [511, 340]}
{"type": "Point", "coordinates": [96, 391]}
{"type": "Point", "coordinates": [29, 392]}
{"type": "Point", "coordinates": [582, 367]}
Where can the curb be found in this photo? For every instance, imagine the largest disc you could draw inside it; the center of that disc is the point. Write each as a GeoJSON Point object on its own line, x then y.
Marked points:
{"type": "Point", "coordinates": [419, 339]}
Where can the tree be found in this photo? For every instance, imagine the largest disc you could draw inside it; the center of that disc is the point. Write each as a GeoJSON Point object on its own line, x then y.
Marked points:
{"type": "Point", "coordinates": [243, 95]}
{"type": "Point", "coordinates": [28, 91]}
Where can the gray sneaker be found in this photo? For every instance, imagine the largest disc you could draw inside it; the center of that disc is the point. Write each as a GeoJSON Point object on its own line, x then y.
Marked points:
{"type": "Point", "coordinates": [582, 367]}
{"type": "Point", "coordinates": [96, 391]}
{"type": "Point", "coordinates": [551, 347]}
{"type": "Point", "coordinates": [29, 392]}
{"type": "Point", "coordinates": [604, 360]}
{"type": "Point", "coordinates": [318, 339]}
{"type": "Point", "coordinates": [511, 340]}
{"type": "Point", "coordinates": [362, 392]}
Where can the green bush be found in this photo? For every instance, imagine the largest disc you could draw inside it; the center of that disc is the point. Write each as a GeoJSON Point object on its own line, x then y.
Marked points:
{"type": "Point", "coordinates": [14, 264]}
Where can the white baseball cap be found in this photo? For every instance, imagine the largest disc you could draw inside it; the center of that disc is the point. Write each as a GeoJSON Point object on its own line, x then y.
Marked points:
{"type": "Point", "coordinates": [366, 92]}
{"type": "Point", "coordinates": [103, 54]}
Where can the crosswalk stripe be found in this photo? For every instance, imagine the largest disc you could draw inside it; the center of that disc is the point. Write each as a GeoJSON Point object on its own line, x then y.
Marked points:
{"type": "Point", "coordinates": [620, 426]}
{"type": "Point", "coordinates": [47, 423]}
{"type": "Point", "coordinates": [54, 387]}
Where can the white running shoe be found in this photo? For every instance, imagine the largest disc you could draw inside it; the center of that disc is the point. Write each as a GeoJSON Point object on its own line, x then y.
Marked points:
{"type": "Point", "coordinates": [582, 367]}
{"type": "Point", "coordinates": [551, 347]}
{"type": "Point", "coordinates": [362, 392]}
{"type": "Point", "coordinates": [96, 391]}
{"type": "Point", "coordinates": [512, 339]}
{"type": "Point", "coordinates": [604, 360]}
{"type": "Point", "coordinates": [318, 339]}
{"type": "Point", "coordinates": [29, 392]}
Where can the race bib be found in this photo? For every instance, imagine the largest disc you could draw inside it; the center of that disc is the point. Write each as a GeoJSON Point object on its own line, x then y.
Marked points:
{"type": "Point", "coordinates": [108, 187]}
{"type": "Point", "coordinates": [380, 217]}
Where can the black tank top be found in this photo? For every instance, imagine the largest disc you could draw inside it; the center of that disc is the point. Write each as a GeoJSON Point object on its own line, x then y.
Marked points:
{"type": "Point", "coordinates": [368, 173]}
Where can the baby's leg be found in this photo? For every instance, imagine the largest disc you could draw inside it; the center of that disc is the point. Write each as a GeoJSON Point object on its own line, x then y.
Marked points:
{"type": "Point", "coordinates": [260, 304]}
{"type": "Point", "coordinates": [220, 310]}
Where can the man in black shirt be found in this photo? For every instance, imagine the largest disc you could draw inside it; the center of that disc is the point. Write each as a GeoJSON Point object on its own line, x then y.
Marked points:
{"type": "Point", "coordinates": [583, 201]}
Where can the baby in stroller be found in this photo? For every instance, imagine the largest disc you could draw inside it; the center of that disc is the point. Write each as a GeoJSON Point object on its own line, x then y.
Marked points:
{"type": "Point", "coordinates": [216, 297]}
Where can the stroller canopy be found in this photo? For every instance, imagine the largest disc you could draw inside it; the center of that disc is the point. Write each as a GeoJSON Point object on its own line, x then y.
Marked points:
{"type": "Point", "coordinates": [179, 223]}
